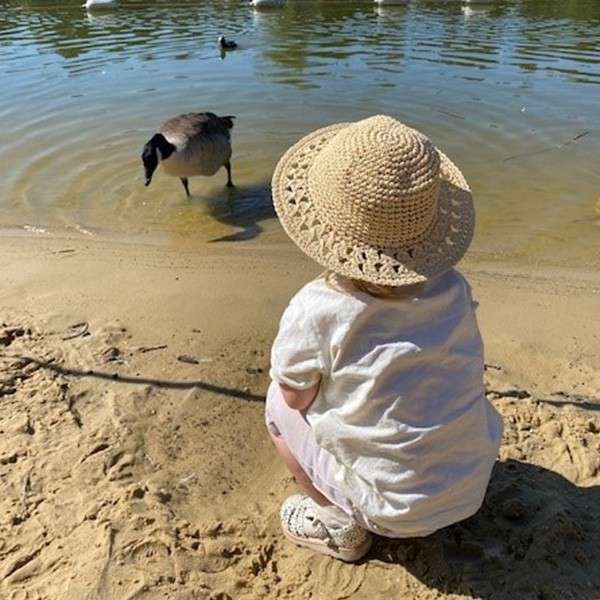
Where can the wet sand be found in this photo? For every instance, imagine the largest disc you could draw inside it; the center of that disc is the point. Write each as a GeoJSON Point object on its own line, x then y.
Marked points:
{"type": "Point", "coordinates": [134, 462]}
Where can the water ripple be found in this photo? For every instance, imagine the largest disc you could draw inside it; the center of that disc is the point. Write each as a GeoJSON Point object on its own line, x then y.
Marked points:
{"type": "Point", "coordinates": [82, 92]}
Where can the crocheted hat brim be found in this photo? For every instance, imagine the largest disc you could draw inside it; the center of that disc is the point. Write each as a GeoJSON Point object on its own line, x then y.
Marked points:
{"type": "Point", "coordinates": [443, 245]}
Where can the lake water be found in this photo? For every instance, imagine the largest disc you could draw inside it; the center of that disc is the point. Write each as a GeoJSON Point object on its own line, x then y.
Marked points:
{"type": "Point", "coordinates": [510, 90]}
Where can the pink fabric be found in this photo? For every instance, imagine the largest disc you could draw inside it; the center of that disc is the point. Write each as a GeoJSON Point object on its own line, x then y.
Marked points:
{"type": "Point", "coordinates": [318, 464]}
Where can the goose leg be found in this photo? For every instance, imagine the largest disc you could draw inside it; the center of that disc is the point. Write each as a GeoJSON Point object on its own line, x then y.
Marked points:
{"type": "Point", "coordinates": [228, 167]}
{"type": "Point", "coordinates": [185, 185]}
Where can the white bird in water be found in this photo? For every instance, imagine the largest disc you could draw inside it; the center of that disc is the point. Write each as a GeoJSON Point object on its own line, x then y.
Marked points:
{"type": "Point", "coordinates": [99, 4]}
{"type": "Point", "coordinates": [467, 11]}
{"type": "Point", "coordinates": [267, 3]}
{"type": "Point", "coordinates": [188, 145]}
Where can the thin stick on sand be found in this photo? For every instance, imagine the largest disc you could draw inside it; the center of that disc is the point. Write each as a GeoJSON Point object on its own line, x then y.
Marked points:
{"type": "Point", "coordinates": [152, 348]}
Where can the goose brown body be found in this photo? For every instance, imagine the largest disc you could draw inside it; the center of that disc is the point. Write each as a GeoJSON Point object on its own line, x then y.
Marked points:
{"type": "Point", "coordinates": [202, 142]}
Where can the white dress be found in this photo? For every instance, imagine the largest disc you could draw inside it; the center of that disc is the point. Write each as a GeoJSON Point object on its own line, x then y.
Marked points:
{"type": "Point", "coordinates": [401, 404]}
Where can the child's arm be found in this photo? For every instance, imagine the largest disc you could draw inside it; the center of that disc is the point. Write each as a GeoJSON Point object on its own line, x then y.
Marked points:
{"type": "Point", "coordinates": [299, 399]}
{"type": "Point", "coordinates": [297, 363]}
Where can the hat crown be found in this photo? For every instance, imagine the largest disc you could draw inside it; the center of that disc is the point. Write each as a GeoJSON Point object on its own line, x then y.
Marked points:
{"type": "Point", "coordinates": [378, 181]}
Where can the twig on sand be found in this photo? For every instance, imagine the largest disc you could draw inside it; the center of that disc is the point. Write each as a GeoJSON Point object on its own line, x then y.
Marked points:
{"type": "Point", "coordinates": [152, 348]}
{"type": "Point", "coordinates": [185, 358]}
{"type": "Point", "coordinates": [488, 366]}
{"type": "Point", "coordinates": [25, 488]}
{"type": "Point", "coordinates": [77, 330]}
{"type": "Point", "coordinates": [508, 393]}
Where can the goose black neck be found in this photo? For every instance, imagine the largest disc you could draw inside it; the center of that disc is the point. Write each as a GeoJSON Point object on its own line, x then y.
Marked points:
{"type": "Point", "coordinates": [160, 141]}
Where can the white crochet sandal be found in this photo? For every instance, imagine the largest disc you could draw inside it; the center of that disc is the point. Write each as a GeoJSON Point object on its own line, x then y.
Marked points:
{"type": "Point", "coordinates": [302, 524]}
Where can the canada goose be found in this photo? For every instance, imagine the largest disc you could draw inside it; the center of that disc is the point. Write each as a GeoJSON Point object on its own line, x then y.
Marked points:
{"type": "Point", "coordinates": [390, 2]}
{"type": "Point", "coordinates": [226, 44]}
{"type": "Point", "coordinates": [188, 145]}
{"type": "Point", "coordinates": [267, 3]}
{"type": "Point", "coordinates": [94, 4]}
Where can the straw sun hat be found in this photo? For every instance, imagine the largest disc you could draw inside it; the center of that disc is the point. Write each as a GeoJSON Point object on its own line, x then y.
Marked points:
{"type": "Point", "coordinates": [374, 200]}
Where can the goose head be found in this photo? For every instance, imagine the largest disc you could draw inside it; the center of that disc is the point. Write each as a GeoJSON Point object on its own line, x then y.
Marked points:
{"type": "Point", "coordinates": [156, 149]}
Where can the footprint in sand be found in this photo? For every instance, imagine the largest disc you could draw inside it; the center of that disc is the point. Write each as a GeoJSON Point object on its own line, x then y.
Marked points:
{"type": "Point", "coordinates": [336, 580]}
{"type": "Point", "coordinates": [117, 465]}
{"type": "Point", "coordinates": [149, 555]}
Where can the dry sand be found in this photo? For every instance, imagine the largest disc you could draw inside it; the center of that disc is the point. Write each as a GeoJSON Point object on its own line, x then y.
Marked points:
{"type": "Point", "coordinates": [134, 463]}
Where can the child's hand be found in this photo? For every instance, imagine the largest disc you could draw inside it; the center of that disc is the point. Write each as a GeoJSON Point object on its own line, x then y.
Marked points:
{"type": "Point", "coordinates": [299, 399]}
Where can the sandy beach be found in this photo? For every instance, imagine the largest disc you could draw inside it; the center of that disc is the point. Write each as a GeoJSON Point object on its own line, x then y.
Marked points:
{"type": "Point", "coordinates": [134, 461]}
{"type": "Point", "coordinates": [136, 321]}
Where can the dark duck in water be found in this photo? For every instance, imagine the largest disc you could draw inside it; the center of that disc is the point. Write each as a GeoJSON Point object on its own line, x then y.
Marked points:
{"type": "Point", "coordinates": [226, 44]}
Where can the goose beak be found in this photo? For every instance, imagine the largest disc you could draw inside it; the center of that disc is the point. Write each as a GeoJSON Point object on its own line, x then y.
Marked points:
{"type": "Point", "coordinates": [147, 181]}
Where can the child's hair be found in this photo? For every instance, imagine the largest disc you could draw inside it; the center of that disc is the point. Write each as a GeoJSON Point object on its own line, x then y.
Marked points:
{"type": "Point", "coordinates": [385, 292]}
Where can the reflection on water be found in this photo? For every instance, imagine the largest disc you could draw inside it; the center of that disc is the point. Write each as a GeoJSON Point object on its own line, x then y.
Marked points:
{"type": "Point", "coordinates": [508, 88]}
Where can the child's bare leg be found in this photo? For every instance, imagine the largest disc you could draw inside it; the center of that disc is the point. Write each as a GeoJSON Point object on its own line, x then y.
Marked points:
{"type": "Point", "coordinates": [297, 471]}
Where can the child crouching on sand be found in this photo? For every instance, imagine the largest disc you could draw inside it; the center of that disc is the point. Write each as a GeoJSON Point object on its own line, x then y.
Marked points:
{"type": "Point", "coordinates": [377, 404]}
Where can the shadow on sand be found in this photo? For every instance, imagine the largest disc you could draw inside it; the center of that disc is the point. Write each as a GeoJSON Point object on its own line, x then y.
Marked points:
{"type": "Point", "coordinates": [159, 383]}
{"type": "Point", "coordinates": [536, 537]}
